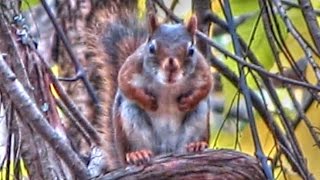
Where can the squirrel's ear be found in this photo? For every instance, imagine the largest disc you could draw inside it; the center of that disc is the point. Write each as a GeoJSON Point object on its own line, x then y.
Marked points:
{"type": "Point", "coordinates": [153, 23]}
{"type": "Point", "coordinates": [192, 25]}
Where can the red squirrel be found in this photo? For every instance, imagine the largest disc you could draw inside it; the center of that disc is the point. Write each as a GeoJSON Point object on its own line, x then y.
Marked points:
{"type": "Point", "coordinates": [153, 83]}
{"type": "Point", "coordinates": [162, 101]}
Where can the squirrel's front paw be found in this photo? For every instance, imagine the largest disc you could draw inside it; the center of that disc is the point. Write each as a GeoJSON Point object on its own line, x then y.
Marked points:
{"type": "Point", "coordinates": [197, 146]}
{"type": "Point", "coordinates": [185, 103]}
{"type": "Point", "coordinates": [147, 101]}
{"type": "Point", "coordinates": [150, 102]}
{"type": "Point", "coordinates": [153, 103]}
{"type": "Point", "coordinates": [139, 157]}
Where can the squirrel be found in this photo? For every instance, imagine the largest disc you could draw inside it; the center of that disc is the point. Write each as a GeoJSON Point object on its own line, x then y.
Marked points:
{"type": "Point", "coordinates": [153, 84]}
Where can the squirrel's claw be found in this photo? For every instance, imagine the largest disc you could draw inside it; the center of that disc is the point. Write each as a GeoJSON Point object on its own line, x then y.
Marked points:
{"type": "Point", "coordinates": [139, 157]}
{"type": "Point", "coordinates": [197, 146]}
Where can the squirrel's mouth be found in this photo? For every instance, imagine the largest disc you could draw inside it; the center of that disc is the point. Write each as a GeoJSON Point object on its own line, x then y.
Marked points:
{"type": "Point", "coordinates": [173, 77]}
{"type": "Point", "coordinates": [171, 80]}
{"type": "Point", "coordinates": [169, 77]}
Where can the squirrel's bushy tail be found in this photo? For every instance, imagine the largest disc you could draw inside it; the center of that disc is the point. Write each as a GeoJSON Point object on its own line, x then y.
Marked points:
{"type": "Point", "coordinates": [114, 32]}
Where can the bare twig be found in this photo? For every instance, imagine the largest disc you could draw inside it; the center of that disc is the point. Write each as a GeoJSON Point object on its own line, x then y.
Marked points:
{"type": "Point", "coordinates": [73, 120]}
{"type": "Point", "coordinates": [302, 115]}
{"type": "Point", "coordinates": [218, 30]}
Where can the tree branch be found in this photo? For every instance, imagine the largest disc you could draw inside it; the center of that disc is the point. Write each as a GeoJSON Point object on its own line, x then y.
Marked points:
{"type": "Point", "coordinates": [211, 164]}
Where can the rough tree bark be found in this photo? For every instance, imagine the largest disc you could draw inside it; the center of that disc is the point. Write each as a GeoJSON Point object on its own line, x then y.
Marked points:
{"type": "Point", "coordinates": [211, 164]}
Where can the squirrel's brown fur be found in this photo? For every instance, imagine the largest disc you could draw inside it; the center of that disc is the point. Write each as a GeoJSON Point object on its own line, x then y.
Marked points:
{"type": "Point", "coordinates": [161, 104]}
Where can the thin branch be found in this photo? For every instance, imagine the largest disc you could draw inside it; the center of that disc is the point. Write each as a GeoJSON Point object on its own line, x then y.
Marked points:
{"type": "Point", "coordinates": [306, 104]}
{"type": "Point", "coordinates": [174, 4]}
{"type": "Point", "coordinates": [80, 72]}
{"type": "Point", "coordinates": [73, 120]}
{"type": "Point", "coordinates": [168, 12]}
{"type": "Point", "coordinates": [284, 118]}
{"type": "Point", "coordinates": [218, 30]}
{"type": "Point", "coordinates": [212, 17]}
{"type": "Point", "coordinates": [215, 142]}
{"type": "Point", "coordinates": [311, 21]}
{"type": "Point", "coordinates": [302, 115]}
{"type": "Point", "coordinates": [28, 109]}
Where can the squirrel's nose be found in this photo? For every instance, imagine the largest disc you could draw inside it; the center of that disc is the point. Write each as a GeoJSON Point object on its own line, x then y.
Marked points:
{"type": "Point", "coordinates": [171, 64]}
{"type": "Point", "coordinates": [171, 61]}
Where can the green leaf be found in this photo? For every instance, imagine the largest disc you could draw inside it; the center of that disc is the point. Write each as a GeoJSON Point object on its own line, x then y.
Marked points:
{"type": "Point", "coordinates": [27, 4]}
{"type": "Point", "coordinates": [239, 7]}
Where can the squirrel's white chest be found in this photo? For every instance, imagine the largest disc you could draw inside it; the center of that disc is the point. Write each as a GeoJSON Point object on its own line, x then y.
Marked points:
{"type": "Point", "coordinates": [167, 117]}
{"type": "Point", "coordinates": [168, 122]}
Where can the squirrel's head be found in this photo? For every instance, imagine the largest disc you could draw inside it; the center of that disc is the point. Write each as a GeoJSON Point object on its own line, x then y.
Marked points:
{"type": "Point", "coordinates": [171, 54]}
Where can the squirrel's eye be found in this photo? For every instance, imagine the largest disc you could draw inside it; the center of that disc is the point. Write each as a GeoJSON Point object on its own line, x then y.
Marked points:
{"type": "Point", "coordinates": [152, 47]}
{"type": "Point", "coordinates": [190, 50]}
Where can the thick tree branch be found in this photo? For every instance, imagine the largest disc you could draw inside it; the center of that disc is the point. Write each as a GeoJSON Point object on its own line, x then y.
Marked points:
{"type": "Point", "coordinates": [211, 164]}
